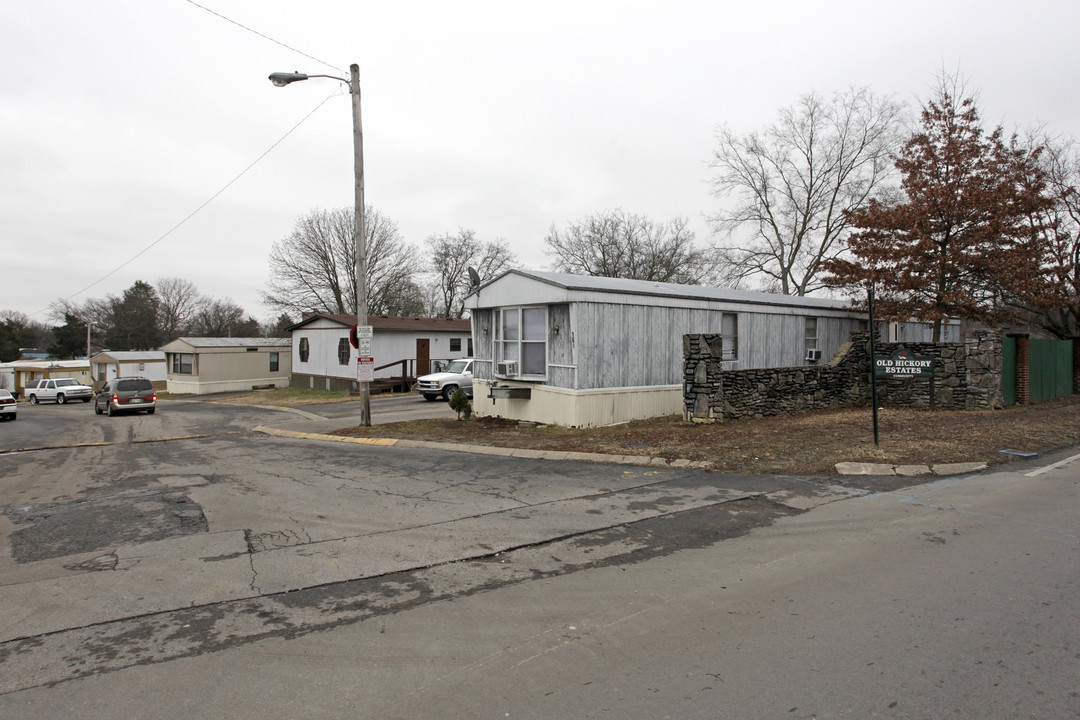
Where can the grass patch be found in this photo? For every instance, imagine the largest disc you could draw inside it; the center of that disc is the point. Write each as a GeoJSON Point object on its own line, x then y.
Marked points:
{"type": "Point", "coordinates": [287, 397]}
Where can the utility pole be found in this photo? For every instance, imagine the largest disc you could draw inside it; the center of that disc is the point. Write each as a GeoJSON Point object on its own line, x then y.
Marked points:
{"type": "Point", "coordinates": [360, 231]}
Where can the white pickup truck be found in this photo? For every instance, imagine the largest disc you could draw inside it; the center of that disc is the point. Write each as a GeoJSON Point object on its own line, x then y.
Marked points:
{"type": "Point", "coordinates": [60, 390]}
{"type": "Point", "coordinates": [458, 374]}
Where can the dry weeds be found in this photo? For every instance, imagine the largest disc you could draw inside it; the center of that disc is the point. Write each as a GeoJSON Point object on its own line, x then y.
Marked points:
{"type": "Point", "coordinates": [807, 443]}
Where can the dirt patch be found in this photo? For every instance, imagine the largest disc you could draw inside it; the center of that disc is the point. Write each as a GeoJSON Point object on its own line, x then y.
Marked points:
{"type": "Point", "coordinates": [806, 443]}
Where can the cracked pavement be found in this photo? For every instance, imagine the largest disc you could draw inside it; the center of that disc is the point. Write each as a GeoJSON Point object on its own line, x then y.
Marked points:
{"type": "Point", "coordinates": [141, 551]}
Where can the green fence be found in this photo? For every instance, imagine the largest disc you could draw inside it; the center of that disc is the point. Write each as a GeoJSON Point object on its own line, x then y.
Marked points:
{"type": "Point", "coordinates": [1051, 369]}
{"type": "Point", "coordinates": [1008, 371]}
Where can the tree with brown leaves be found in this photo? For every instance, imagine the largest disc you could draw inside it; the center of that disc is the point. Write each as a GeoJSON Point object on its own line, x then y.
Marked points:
{"type": "Point", "coordinates": [967, 240]}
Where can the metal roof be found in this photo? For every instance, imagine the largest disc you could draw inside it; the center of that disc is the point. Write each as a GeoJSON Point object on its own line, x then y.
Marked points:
{"type": "Point", "coordinates": [236, 342]}
{"type": "Point", "coordinates": [624, 286]}
{"type": "Point", "coordinates": [389, 322]}
{"type": "Point", "coordinates": [47, 364]}
{"type": "Point", "coordinates": [133, 355]}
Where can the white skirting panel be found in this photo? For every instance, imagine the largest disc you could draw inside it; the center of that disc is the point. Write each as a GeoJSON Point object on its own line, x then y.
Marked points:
{"type": "Point", "coordinates": [579, 408]}
{"type": "Point", "coordinates": [193, 387]}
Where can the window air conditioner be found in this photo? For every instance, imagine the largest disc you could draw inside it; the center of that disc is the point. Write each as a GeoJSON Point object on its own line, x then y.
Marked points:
{"type": "Point", "coordinates": [813, 355]}
{"type": "Point", "coordinates": [508, 368]}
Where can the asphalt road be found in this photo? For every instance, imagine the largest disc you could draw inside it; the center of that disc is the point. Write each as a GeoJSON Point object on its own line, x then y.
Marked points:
{"type": "Point", "coordinates": [188, 567]}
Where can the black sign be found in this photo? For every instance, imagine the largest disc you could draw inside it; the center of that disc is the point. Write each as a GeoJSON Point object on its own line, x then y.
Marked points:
{"type": "Point", "coordinates": [903, 364]}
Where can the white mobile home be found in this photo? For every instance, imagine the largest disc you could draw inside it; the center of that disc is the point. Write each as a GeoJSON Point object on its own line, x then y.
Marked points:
{"type": "Point", "coordinates": [581, 351]}
{"type": "Point", "coordinates": [150, 364]}
{"type": "Point", "coordinates": [402, 347]}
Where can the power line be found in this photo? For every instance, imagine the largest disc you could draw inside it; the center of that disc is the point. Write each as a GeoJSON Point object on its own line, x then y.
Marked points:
{"type": "Point", "coordinates": [264, 37]}
{"type": "Point", "coordinates": [194, 212]}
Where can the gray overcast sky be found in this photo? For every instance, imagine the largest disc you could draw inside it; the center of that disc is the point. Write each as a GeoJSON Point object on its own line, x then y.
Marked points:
{"type": "Point", "coordinates": [118, 118]}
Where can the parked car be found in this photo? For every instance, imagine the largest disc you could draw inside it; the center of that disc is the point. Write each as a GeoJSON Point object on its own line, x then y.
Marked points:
{"type": "Point", "coordinates": [127, 394]}
{"type": "Point", "coordinates": [8, 406]}
{"type": "Point", "coordinates": [60, 390]}
{"type": "Point", "coordinates": [458, 374]}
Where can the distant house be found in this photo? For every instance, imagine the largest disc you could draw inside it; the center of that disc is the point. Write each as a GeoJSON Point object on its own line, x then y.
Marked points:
{"type": "Point", "coordinates": [324, 359]}
{"type": "Point", "coordinates": [585, 351]}
{"type": "Point", "coordinates": [14, 375]}
{"type": "Point", "coordinates": [150, 364]}
{"type": "Point", "coordinates": [209, 365]}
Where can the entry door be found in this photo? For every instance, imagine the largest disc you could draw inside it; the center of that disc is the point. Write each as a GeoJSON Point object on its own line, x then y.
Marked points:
{"type": "Point", "coordinates": [423, 355]}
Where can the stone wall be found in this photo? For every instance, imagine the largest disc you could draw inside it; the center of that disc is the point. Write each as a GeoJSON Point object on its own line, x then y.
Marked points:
{"type": "Point", "coordinates": [967, 376]}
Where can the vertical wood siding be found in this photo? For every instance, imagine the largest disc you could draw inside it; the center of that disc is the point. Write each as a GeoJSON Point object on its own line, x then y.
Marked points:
{"type": "Point", "coordinates": [634, 345]}
{"type": "Point", "coordinates": [483, 343]}
{"type": "Point", "coordinates": [618, 345]}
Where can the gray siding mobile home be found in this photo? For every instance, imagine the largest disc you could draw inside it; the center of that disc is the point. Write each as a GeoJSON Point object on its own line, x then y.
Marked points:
{"type": "Point", "coordinates": [589, 350]}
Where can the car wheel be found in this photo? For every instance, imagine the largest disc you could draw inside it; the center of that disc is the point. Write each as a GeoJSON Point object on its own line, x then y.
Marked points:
{"type": "Point", "coordinates": [33, 399]}
{"type": "Point", "coordinates": [110, 409]}
{"type": "Point", "coordinates": [97, 409]}
{"type": "Point", "coordinates": [60, 399]}
{"type": "Point", "coordinates": [448, 392]}
{"type": "Point", "coordinates": [151, 411]}
{"type": "Point", "coordinates": [430, 397]}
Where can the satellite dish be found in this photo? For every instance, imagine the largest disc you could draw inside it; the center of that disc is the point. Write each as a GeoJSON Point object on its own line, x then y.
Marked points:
{"type": "Point", "coordinates": [474, 278]}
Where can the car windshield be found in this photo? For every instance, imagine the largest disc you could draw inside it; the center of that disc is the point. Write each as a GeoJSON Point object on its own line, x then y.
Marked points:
{"type": "Point", "coordinates": [65, 383]}
{"type": "Point", "coordinates": [458, 366]}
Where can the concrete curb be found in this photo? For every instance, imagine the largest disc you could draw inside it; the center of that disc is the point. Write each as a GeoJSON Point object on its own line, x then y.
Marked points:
{"type": "Point", "coordinates": [490, 450]}
{"type": "Point", "coordinates": [842, 468]}
{"type": "Point", "coordinates": [857, 468]}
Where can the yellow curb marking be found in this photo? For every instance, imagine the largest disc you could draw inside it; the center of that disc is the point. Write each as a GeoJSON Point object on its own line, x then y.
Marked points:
{"type": "Point", "coordinates": [385, 442]}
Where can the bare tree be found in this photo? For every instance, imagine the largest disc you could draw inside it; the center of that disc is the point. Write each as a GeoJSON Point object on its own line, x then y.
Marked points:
{"type": "Point", "coordinates": [392, 267]}
{"type": "Point", "coordinates": [219, 318]}
{"type": "Point", "coordinates": [453, 254]}
{"type": "Point", "coordinates": [618, 244]}
{"type": "Point", "coordinates": [179, 301]}
{"type": "Point", "coordinates": [312, 268]}
{"type": "Point", "coordinates": [1059, 160]}
{"type": "Point", "coordinates": [793, 180]}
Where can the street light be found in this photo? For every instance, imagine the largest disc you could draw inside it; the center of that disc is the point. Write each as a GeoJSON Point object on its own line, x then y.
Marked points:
{"type": "Point", "coordinates": [281, 79]}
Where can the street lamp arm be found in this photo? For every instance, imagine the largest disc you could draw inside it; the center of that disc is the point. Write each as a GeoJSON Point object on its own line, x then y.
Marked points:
{"type": "Point", "coordinates": [281, 79]}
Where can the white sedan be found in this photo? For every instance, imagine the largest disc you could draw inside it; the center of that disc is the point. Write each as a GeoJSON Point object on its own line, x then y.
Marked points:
{"type": "Point", "coordinates": [8, 405]}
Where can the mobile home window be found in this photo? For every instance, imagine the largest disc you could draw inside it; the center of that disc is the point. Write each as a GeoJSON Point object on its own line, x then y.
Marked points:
{"type": "Point", "coordinates": [343, 351]}
{"type": "Point", "coordinates": [181, 363]}
{"type": "Point", "coordinates": [274, 359]}
{"type": "Point", "coordinates": [729, 332]}
{"type": "Point", "coordinates": [521, 335]}
{"type": "Point", "coordinates": [811, 333]}
{"type": "Point", "coordinates": [455, 344]}
{"type": "Point", "coordinates": [305, 349]}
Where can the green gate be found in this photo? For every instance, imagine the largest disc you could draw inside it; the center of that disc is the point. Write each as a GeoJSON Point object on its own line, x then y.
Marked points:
{"type": "Point", "coordinates": [1051, 369]}
{"type": "Point", "coordinates": [1008, 371]}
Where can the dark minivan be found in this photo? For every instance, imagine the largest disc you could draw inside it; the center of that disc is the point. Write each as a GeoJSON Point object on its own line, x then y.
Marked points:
{"type": "Point", "coordinates": [134, 394]}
